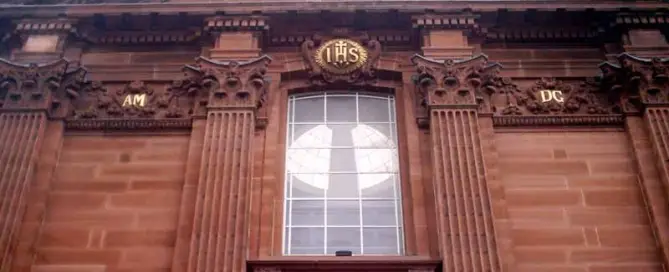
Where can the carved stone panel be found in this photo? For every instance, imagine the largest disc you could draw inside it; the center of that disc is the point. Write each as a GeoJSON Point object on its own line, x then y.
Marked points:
{"type": "Point", "coordinates": [136, 100]}
{"type": "Point", "coordinates": [547, 96]}
{"type": "Point", "coordinates": [341, 56]}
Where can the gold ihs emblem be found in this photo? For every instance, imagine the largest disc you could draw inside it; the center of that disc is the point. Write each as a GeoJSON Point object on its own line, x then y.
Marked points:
{"type": "Point", "coordinates": [341, 56]}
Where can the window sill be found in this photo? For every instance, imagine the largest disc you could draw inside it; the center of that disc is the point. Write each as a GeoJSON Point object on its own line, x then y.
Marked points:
{"type": "Point", "coordinates": [341, 264]}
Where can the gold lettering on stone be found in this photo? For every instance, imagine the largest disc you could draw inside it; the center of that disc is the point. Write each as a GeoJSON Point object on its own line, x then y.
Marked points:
{"type": "Point", "coordinates": [341, 56]}
{"type": "Point", "coordinates": [551, 95]}
{"type": "Point", "coordinates": [134, 100]}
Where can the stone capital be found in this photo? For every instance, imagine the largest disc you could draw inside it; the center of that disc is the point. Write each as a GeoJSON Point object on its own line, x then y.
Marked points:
{"type": "Point", "coordinates": [40, 87]}
{"type": "Point", "coordinates": [638, 82]}
{"type": "Point", "coordinates": [233, 85]}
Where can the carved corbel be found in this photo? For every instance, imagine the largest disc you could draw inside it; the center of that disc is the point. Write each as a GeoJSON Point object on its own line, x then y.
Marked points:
{"type": "Point", "coordinates": [38, 87]}
{"type": "Point", "coordinates": [452, 84]}
{"type": "Point", "coordinates": [636, 82]}
{"type": "Point", "coordinates": [234, 85]}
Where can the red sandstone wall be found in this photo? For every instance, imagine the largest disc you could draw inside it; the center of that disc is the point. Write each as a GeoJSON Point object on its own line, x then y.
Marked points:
{"type": "Point", "coordinates": [113, 204]}
{"type": "Point", "coordinates": [574, 203]}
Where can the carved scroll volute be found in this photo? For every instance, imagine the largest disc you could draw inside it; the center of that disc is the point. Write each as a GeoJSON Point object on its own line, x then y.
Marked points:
{"type": "Point", "coordinates": [637, 82]}
{"type": "Point", "coordinates": [38, 87]}
{"type": "Point", "coordinates": [456, 84]}
{"type": "Point", "coordinates": [234, 85]}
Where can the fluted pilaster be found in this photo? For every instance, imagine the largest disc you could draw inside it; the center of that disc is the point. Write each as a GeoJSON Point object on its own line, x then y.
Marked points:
{"type": "Point", "coordinates": [463, 207]}
{"type": "Point", "coordinates": [219, 234]}
{"type": "Point", "coordinates": [29, 94]}
{"type": "Point", "coordinates": [20, 136]}
{"type": "Point", "coordinates": [449, 103]}
{"type": "Point", "coordinates": [223, 190]}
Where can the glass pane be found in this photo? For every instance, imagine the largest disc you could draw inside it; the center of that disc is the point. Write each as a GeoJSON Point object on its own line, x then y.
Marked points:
{"type": "Point", "coordinates": [307, 212]}
{"type": "Point", "coordinates": [309, 136]}
{"type": "Point", "coordinates": [307, 240]}
{"type": "Point", "coordinates": [308, 185]}
{"type": "Point", "coordinates": [378, 213]}
{"type": "Point", "coordinates": [373, 135]}
{"type": "Point", "coordinates": [308, 160]}
{"type": "Point", "coordinates": [380, 240]}
{"type": "Point", "coordinates": [309, 109]}
{"type": "Point", "coordinates": [377, 185]}
{"type": "Point", "coordinates": [343, 160]}
{"type": "Point", "coordinates": [343, 213]}
{"type": "Point", "coordinates": [341, 109]}
{"type": "Point", "coordinates": [373, 109]}
{"type": "Point", "coordinates": [343, 185]}
{"type": "Point", "coordinates": [342, 134]}
{"type": "Point", "coordinates": [375, 160]}
{"type": "Point", "coordinates": [343, 239]}
{"type": "Point", "coordinates": [392, 109]}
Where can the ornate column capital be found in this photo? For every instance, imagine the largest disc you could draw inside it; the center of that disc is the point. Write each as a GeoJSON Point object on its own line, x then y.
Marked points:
{"type": "Point", "coordinates": [638, 82]}
{"type": "Point", "coordinates": [234, 85]}
{"type": "Point", "coordinates": [451, 84]}
{"type": "Point", "coordinates": [39, 87]}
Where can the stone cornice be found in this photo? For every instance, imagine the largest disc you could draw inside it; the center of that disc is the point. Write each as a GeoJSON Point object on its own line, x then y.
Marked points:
{"type": "Point", "coordinates": [245, 8]}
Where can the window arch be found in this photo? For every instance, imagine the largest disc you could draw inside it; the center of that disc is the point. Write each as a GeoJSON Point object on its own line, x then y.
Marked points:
{"type": "Point", "coordinates": [342, 188]}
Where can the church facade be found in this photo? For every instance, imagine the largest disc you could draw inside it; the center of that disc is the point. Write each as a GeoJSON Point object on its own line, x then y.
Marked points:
{"type": "Point", "coordinates": [341, 136]}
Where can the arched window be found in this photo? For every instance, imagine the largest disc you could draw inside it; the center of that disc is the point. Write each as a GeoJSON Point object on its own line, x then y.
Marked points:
{"type": "Point", "coordinates": [342, 175]}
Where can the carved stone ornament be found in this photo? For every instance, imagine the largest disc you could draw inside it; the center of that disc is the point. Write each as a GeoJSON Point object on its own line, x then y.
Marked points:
{"type": "Point", "coordinates": [450, 83]}
{"type": "Point", "coordinates": [39, 87]}
{"type": "Point", "coordinates": [341, 57]}
{"type": "Point", "coordinates": [135, 100]}
{"type": "Point", "coordinates": [637, 82]}
{"type": "Point", "coordinates": [234, 85]}
{"type": "Point", "coordinates": [547, 96]}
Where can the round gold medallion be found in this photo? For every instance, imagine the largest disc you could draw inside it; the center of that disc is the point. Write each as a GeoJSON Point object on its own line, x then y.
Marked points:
{"type": "Point", "coordinates": [341, 56]}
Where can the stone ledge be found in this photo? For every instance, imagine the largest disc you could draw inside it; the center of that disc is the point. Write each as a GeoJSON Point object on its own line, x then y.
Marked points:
{"type": "Point", "coordinates": [548, 120]}
{"type": "Point", "coordinates": [128, 124]}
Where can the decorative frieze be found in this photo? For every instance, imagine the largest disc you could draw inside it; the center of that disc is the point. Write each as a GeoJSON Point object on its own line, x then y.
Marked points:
{"type": "Point", "coordinates": [137, 100]}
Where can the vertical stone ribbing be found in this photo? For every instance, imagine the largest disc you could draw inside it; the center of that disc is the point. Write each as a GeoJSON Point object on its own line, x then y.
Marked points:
{"type": "Point", "coordinates": [657, 124]}
{"type": "Point", "coordinates": [20, 135]}
{"type": "Point", "coordinates": [657, 121]}
{"type": "Point", "coordinates": [650, 181]}
{"type": "Point", "coordinates": [464, 219]}
{"type": "Point", "coordinates": [220, 226]}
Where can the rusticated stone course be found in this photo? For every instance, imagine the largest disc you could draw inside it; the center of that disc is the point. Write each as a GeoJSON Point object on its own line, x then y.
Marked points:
{"type": "Point", "coordinates": [574, 203]}
{"type": "Point", "coordinates": [113, 204]}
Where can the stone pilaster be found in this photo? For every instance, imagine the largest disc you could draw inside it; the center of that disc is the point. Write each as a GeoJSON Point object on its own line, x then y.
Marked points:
{"type": "Point", "coordinates": [450, 97]}
{"type": "Point", "coordinates": [30, 95]}
{"type": "Point", "coordinates": [642, 86]}
{"type": "Point", "coordinates": [218, 226]}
